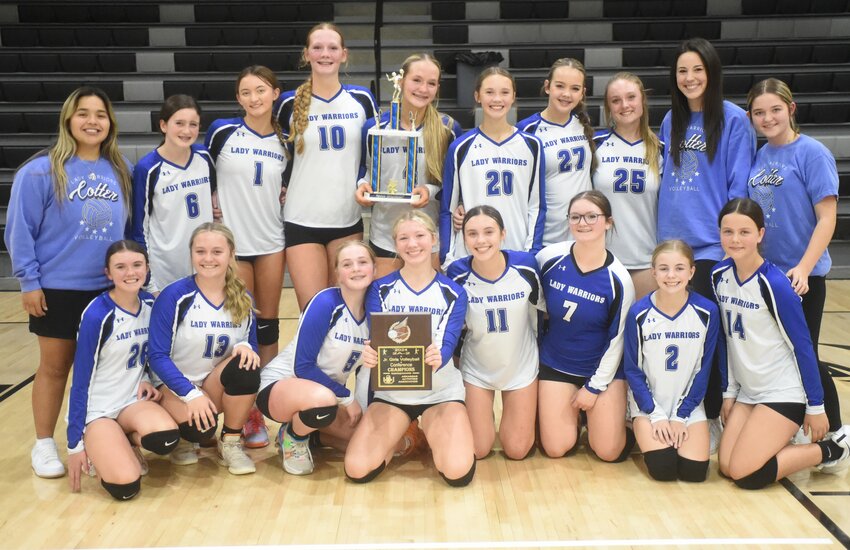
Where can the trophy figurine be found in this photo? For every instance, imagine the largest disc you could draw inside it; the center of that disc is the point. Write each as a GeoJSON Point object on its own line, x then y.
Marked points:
{"type": "Point", "coordinates": [394, 155]}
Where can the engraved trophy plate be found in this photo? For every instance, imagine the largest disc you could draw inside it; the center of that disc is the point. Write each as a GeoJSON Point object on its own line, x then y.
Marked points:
{"type": "Point", "coordinates": [400, 340]}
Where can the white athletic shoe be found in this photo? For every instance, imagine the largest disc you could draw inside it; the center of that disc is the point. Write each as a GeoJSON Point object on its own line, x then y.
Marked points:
{"type": "Point", "coordinates": [143, 462]}
{"type": "Point", "coordinates": [230, 454]}
{"type": "Point", "coordinates": [842, 437]}
{"type": "Point", "coordinates": [297, 458]}
{"type": "Point", "coordinates": [800, 438]}
{"type": "Point", "coordinates": [715, 431]}
{"type": "Point", "coordinates": [184, 454]}
{"type": "Point", "coordinates": [45, 459]}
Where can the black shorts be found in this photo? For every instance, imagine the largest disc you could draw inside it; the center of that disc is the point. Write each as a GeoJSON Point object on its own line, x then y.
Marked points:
{"type": "Point", "coordinates": [248, 259]}
{"type": "Point", "coordinates": [414, 411]}
{"type": "Point", "coordinates": [795, 412]}
{"type": "Point", "coordinates": [64, 310]}
{"type": "Point", "coordinates": [295, 234]}
{"type": "Point", "coordinates": [382, 252]}
{"type": "Point", "coordinates": [552, 375]}
{"type": "Point", "coordinates": [263, 401]}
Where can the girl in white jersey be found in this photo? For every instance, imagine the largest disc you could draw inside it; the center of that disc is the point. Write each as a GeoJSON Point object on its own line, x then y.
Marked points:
{"type": "Point", "coordinates": [772, 386]}
{"type": "Point", "coordinates": [303, 388]}
{"type": "Point", "coordinates": [499, 351]}
{"type": "Point", "coordinates": [670, 339]}
{"type": "Point", "coordinates": [112, 409]}
{"type": "Point", "coordinates": [567, 136]}
{"type": "Point", "coordinates": [498, 165]}
{"type": "Point", "coordinates": [420, 88]}
{"type": "Point", "coordinates": [628, 163]}
{"type": "Point", "coordinates": [323, 121]}
{"type": "Point", "coordinates": [417, 287]}
{"type": "Point", "coordinates": [173, 189]}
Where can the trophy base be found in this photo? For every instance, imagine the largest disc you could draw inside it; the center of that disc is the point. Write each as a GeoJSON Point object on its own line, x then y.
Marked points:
{"type": "Point", "coordinates": [392, 197]}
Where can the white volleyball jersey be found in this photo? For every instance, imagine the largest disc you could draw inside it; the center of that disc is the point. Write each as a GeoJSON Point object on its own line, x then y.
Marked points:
{"type": "Point", "coordinates": [509, 176]}
{"type": "Point", "coordinates": [568, 162]}
{"type": "Point", "coordinates": [249, 169]}
{"type": "Point", "coordinates": [769, 350]}
{"type": "Point", "coordinates": [500, 346]}
{"type": "Point", "coordinates": [190, 336]}
{"type": "Point", "coordinates": [667, 360]}
{"type": "Point", "coordinates": [109, 363]}
{"type": "Point", "coordinates": [623, 175]}
{"type": "Point", "coordinates": [169, 202]}
{"type": "Point", "coordinates": [326, 348]}
{"type": "Point", "coordinates": [445, 300]}
{"type": "Point", "coordinates": [323, 178]}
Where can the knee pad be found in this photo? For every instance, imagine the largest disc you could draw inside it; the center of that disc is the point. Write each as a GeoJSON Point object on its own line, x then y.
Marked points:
{"type": "Point", "coordinates": [318, 417]}
{"type": "Point", "coordinates": [268, 331]}
{"type": "Point", "coordinates": [462, 481]}
{"type": "Point", "coordinates": [762, 477]}
{"type": "Point", "coordinates": [662, 464]}
{"type": "Point", "coordinates": [124, 491]}
{"type": "Point", "coordinates": [694, 471]}
{"type": "Point", "coordinates": [368, 477]}
{"type": "Point", "coordinates": [627, 448]}
{"type": "Point", "coordinates": [238, 381]}
{"type": "Point", "coordinates": [162, 442]}
{"type": "Point", "coordinates": [195, 435]}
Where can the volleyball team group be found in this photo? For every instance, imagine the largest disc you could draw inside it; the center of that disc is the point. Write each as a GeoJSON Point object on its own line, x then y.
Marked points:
{"type": "Point", "coordinates": [665, 291]}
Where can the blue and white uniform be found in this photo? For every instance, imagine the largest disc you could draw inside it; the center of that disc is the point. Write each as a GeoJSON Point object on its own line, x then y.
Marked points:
{"type": "Point", "coordinates": [787, 181]}
{"type": "Point", "coordinates": [326, 348]}
{"type": "Point", "coordinates": [109, 363]}
{"type": "Point", "coordinates": [769, 349]}
{"type": "Point", "coordinates": [445, 300]}
{"type": "Point", "coordinates": [667, 360]}
{"type": "Point", "coordinates": [384, 214]}
{"type": "Point", "coordinates": [328, 168]}
{"type": "Point", "coordinates": [623, 176]}
{"type": "Point", "coordinates": [692, 194]}
{"type": "Point", "coordinates": [587, 313]}
{"type": "Point", "coordinates": [509, 176]}
{"type": "Point", "coordinates": [568, 163]}
{"type": "Point", "coordinates": [169, 202]}
{"type": "Point", "coordinates": [500, 346]}
{"type": "Point", "coordinates": [190, 336]}
{"type": "Point", "coordinates": [249, 174]}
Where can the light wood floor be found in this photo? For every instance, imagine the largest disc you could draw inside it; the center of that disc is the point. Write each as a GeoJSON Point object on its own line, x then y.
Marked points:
{"type": "Point", "coordinates": [535, 503]}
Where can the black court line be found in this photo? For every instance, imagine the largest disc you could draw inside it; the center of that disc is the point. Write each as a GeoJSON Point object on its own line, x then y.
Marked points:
{"type": "Point", "coordinates": [4, 387]}
{"type": "Point", "coordinates": [14, 390]}
{"type": "Point", "coordinates": [830, 493]}
{"type": "Point", "coordinates": [816, 512]}
{"type": "Point", "coordinates": [839, 346]}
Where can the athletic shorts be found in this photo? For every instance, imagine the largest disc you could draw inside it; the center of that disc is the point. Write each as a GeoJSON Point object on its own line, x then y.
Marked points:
{"type": "Point", "coordinates": [414, 411]}
{"type": "Point", "coordinates": [552, 375]}
{"type": "Point", "coordinates": [299, 234]}
{"type": "Point", "coordinates": [697, 415]}
{"type": "Point", "coordinates": [263, 401]}
{"type": "Point", "coordinates": [248, 259]}
{"type": "Point", "coordinates": [795, 412]}
{"type": "Point", "coordinates": [64, 311]}
{"type": "Point", "coordinates": [382, 252]}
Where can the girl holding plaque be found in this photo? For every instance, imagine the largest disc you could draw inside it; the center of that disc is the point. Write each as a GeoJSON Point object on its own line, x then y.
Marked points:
{"type": "Point", "coordinates": [499, 350]}
{"type": "Point", "coordinates": [417, 287]}
{"type": "Point", "coordinates": [420, 86]}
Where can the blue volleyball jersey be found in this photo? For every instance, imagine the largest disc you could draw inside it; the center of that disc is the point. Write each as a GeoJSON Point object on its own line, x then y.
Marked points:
{"type": "Point", "coordinates": [587, 313]}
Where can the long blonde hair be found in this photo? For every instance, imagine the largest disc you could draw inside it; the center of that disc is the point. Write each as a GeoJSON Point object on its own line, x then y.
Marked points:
{"type": "Point", "coordinates": [66, 146]}
{"type": "Point", "coordinates": [651, 142]}
{"type": "Point", "coordinates": [580, 109]}
{"type": "Point", "coordinates": [266, 75]}
{"type": "Point", "coordinates": [237, 301]}
{"type": "Point", "coordinates": [304, 93]}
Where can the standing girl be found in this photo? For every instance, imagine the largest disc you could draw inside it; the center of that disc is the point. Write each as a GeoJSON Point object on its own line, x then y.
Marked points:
{"type": "Point", "coordinates": [567, 136]}
{"type": "Point", "coordinates": [588, 292]}
{"type": "Point", "coordinates": [67, 205]}
{"type": "Point", "coordinates": [794, 180]}
{"type": "Point", "coordinates": [670, 339]}
{"type": "Point", "coordinates": [628, 164]}
{"type": "Point", "coordinates": [173, 186]}
{"type": "Point", "coordinates": [500, 345]}
{"type": "Point", "coordinates": [417, 287]}
{"type": "Point", "coordinates": [420, 88]}
{"type": "Point", "coordinates": [323, 122]}
{"type": "Point", "coordinates": [495, 165]}
{"type": "Point", "coordinates": [772, 386]}
{"type": "Point", "coordinates": [203, 344]}
{"type": "Point", "coordinates": [112, 409]}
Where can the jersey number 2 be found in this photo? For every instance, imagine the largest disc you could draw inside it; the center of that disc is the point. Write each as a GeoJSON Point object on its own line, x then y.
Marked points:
{"type": "Point", "coordinates": [672, 362]}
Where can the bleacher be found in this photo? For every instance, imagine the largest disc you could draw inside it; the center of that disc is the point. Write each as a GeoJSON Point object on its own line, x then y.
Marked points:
{"type": "Point", "coordinates": [141, 51]}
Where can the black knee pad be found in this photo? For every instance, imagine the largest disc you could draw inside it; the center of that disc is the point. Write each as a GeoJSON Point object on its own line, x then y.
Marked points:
{"type": "Point", "coordinates": [694, 471]}
{"type": "Point", "coordinates": [762, 477]}
{"type": "Point", "coordinates": [238, 381]}
{"type": "Point", "coordinates": [318, 417]}
{"type": "Point", "coordinates": [368, 477]}
{"type": "Point", "coordinates": [462, 481]}
{"type": "Point", "coordinates": [194, 434]}
{"type": "Point", "coordinates": [627, 448]}
{"type": "Point", "coordinates": [268, 331]}
{"type": "Point", "coordinates": [662, 464]}
{"type": "Point", "coordinates": [124, 491]}
{"type": "Point", "coordinates": [162, 442]}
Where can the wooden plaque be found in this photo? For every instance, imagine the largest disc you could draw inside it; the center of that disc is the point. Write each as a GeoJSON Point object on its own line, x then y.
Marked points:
{"type": "Point", "coordinates": [400, 340]}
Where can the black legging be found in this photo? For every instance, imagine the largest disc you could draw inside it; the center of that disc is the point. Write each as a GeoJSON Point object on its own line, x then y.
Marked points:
{"type": "Point", "coordinates": [813, 302]}
{"type": "Point", "coordinates": [701, 283]}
